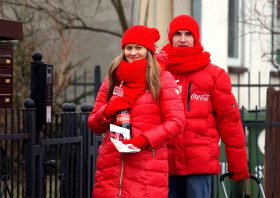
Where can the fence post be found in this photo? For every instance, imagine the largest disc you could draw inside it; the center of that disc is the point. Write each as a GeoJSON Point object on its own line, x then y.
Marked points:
{"type": "Point", "coordinates": [97, 79]}
{"type": "Point", "coordinates": [88, 150]}
{"type": "Point", "coordinates": [71, 176]}
{"type": "Point", "coordinates": [34, 169]}
{"type": "Point", "coordinates": [41, 90]}
{"type": "Point", "coordinates": [69, 120]}
{"type": "Point", "coordinates": [272, 144]}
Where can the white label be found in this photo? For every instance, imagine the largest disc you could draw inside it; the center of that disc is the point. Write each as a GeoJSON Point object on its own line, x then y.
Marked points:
{"type": "Point", "coordinates": [49, 114]}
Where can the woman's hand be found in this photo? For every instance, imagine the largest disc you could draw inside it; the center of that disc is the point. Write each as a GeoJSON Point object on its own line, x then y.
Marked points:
{"type": "Point", "coordinates": [139, 141]}
{"type": "Point", "coordinates": [115, 104]}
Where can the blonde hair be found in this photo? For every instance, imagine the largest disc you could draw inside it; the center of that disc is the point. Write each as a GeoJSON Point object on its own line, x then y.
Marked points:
{"type": "Point", "coordinates": [152, 75]}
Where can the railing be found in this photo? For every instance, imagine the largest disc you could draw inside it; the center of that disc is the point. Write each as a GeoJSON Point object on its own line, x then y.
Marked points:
{"type": "Point", "coordinates": [58, 161]}
{"type": "Point", "coordinates": [81, 90]}
{"type": "Point", "coordinates": [250, 89]}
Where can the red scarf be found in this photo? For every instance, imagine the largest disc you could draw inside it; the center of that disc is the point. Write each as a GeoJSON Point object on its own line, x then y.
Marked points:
{"type": "Point", "coordinates": [182, 60]}
{"type": "Point", "coordinates": [133, 76]}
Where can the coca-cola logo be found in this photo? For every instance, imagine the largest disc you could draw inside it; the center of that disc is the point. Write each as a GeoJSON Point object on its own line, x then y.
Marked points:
{"type": "Point", "coordinates": [203, 97]}
{"type": "Point", "coordinates": [123, 118]}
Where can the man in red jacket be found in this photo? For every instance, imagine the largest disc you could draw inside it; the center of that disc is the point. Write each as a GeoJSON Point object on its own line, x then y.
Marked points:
{"type": "Point", "coordinates": [211, 114]}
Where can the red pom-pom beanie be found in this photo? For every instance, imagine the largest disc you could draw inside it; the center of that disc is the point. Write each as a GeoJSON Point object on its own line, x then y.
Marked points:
{"type": "Point", "coordinates": [184, 22]}
{"type": "Point", "coordinates": [141, 35]}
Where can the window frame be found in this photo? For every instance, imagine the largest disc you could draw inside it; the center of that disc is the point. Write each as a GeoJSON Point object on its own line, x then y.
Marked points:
{"type": "Point", "coordinates": [236, 61]}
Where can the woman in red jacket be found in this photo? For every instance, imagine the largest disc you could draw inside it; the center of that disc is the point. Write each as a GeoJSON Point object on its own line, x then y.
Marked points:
{"type": "Point", "coordinates": [157, 114]}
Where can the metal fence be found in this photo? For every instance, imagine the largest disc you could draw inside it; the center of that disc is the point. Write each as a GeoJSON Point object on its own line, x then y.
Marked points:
{"type": "Point", "coordinates": [83, 88]}
{"type": "Point", "coordinates": [59, 160]}
{"type": "Point", "coordinates": [250, 88]}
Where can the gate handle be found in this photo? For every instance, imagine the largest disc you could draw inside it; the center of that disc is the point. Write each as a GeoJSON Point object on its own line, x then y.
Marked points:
{"type": "Point", "coordinates": [50, 163]}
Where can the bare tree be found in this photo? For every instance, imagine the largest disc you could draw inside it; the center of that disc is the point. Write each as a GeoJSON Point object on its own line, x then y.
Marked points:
{"type": "Point", "coordinates": [41, 16]}
{"type": "Point", "coordinates": [262, 17]}
{"type": "Point", "coordinates": [74, 14]}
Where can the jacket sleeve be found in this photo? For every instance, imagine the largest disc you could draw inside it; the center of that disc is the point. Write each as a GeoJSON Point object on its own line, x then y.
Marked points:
{"type": "Point", "coordinates": [96, 120]}
{"type": "Point", "coordinates": [229, 123]}
{"type": "Point", "coordinates": [172, 111]}
{"type": "Point", "coordinates": [162, 59]}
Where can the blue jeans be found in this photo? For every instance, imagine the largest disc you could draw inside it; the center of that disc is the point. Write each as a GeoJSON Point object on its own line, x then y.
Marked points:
{"type": "Point", "coordinates": [190, 186]}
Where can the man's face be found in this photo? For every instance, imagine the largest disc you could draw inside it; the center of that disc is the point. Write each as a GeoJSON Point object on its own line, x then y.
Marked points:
{"type": "Point", "coordinates": [183, 38]}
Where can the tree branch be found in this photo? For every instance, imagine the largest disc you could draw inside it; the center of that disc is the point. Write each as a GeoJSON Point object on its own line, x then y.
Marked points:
{"type": "Point", "coordinates": [120, 12]}
{"type": "Point", "coordinates": [71, 20]}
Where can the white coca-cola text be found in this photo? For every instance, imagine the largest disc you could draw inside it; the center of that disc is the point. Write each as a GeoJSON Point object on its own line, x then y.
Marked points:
{"type": "Point", "coordinates": [203, 97]}
{"type": "Point", "coordinates": [124, 118]}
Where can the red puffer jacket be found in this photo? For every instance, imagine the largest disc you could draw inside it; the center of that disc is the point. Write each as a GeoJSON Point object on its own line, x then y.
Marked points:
{"type": "Point", "coordinates": [211, 113]}
{"type": "Point", "coordinates": [143, 174]}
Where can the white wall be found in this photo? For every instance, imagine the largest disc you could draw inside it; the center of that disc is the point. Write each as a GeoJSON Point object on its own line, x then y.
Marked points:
{"type": "Point", "coordinates": [214, 30]}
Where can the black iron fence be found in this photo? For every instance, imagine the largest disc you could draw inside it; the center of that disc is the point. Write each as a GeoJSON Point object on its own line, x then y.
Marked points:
{"type": "Point", "coordinates": [58, 161]}
{"type": "Point", "coordinates": [250, 88]}
{"type": "Point", "coordinates": [83, 87]}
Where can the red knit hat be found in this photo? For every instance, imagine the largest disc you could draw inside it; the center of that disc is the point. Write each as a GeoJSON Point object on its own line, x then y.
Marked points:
{"type": "Point", "coordinates": [141, 35]}
{"type": "Point", "coordinates": [184, 22]}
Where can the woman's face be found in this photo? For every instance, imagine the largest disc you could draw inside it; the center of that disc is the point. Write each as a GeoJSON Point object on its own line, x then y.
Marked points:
{"type": "Point", "coordinates": [134, 52]}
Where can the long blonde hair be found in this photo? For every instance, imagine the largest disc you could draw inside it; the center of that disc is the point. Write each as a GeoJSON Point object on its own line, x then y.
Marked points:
{"type": "Point", "coordinates": [152, 75]}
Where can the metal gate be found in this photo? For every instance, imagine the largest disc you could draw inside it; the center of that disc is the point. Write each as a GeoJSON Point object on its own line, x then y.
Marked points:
{"type": "Point", "coordinates": [14, 139]}
{"type": "Point", "coordinates": [58, 161]}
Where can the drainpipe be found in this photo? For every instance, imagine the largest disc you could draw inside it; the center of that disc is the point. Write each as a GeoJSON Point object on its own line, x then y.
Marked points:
{"type": "Point", "coordinates": [273, 51]}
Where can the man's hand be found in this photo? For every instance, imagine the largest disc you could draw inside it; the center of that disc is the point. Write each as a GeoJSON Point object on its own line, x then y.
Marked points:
{"type": "Point", "coordinates": [240, 175]}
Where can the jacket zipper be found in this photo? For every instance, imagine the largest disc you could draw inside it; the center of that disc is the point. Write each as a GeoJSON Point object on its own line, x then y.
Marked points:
{"type": "Point", "coordinates": [153, 153]}
{"type": "Point", "coordinates": [121, 176]}
{"type": "Point", "coordinates": [189, 97]}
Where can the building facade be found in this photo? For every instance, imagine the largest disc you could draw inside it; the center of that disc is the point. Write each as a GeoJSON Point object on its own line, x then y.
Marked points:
{"type": "Point", "coordinates": [237, 33]}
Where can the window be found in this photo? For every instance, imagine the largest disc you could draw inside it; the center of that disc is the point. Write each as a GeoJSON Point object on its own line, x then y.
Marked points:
{"type": "Point", "coordinates": [196, 11]}
{"type": "Point", "coordinates": [278, 8]}
{"type": "Point", "coordinates": [234, 33]}
{"type": "Point", "coordinates": [275, 47]}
